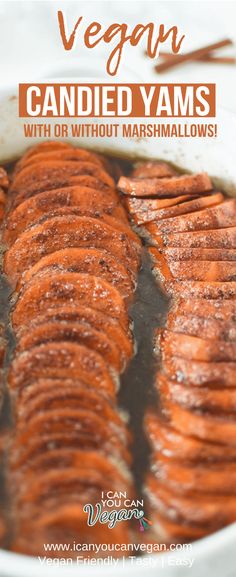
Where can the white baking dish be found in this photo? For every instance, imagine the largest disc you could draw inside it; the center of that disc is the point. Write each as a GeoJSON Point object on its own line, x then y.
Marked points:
{"type": "Point", "coordinates": [213, 556]}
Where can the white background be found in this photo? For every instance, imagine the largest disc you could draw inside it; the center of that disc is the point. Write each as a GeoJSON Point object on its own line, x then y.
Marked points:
{"type": "Point", "coordinates": [30, 44]}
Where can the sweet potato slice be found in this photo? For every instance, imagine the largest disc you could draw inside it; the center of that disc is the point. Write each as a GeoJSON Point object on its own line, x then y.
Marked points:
{"type": "Point", "coordinates": [74, 457]}
{"type": "Point", "coordinates": [204, 271]}
{"type": "Point", "coordinates": [221, 238]}
{"type": "Point", "coordinates": [206, 426]}
{"type": "Point", "coordinates": [97, 262]}
{"type": "Point", "coordinates": [70, 483]}
{"type": "Point", "coordinates": [89, 316]}
{"type": "Point", "coordinates": [69, 231]}
{"type": "Point", "coordinates": [203, 478]}
{"type": "Point", "coordinates": [113, 220]}
{"type": "Point", "coordinates": [193, 348]}
{"type": "Point", "coordinates": [65, 154]}
{"type": "Point", "coordinates": [60, 331]}
{"type": "Point", "coordinates": [198, 373]}
{"type": "Point", "coordinates": [84, 180]}
{"type": "Point", "coordinates": [49, 394]}
{"type": "Point", "coordinates": [60, 288]}
{"type": "Point", "coordinates": [144, 206]}
{"type": "Point", "coordinates": [161, 187]}
{"type": "Point", "coordinates": [221, 216]}
{"type": "Point", "coordinates": [211, 272]}
{"type": "Point", "coordinates": [61, 360]}
{"type": "Point", "coordinates": [88, 422]}
{"type": "Point", "coordinates": [180, 445]}
{"type": "Point", "coordinates": [198, 254]}
{"type": "Point", "coordinates": [54, 174]}
{"type": "Point", "coordinates": [203, 398]}
{"type": "Point", "coordinates": [153, 169]}
{"type": "Point", "coordinates": [222, 310]}
{"type": "Point", "coordinates": [210, 510]}
{"type": "Point", "coordinates": [202, 289]}
{"type": "Point", "coordinates": [182, 205]}
{"type": "Point", "coordinates": [42, 147]}
{"type": "Point", "coordinates": [206, 328]}
{"type": "Point", "coordinates": [90, 202]}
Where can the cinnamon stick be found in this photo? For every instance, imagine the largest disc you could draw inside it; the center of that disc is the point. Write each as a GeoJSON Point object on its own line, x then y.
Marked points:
{"type": "Point", "coordinates": [207, 58]}
{"type": "Point", "coordinates": [192, 55]}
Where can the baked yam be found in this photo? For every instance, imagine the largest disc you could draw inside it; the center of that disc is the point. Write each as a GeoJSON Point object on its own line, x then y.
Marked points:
{"type": "Point", "coordinates": [162, 187]}
{"type": "Point", "coordinates": [61, 288]}
{"type": "Point", "coordinates": [97, 262]}
{"type": "Point", "coordinates": [69, 231]}
{"type": "Point", "coordinates": [61, 360]}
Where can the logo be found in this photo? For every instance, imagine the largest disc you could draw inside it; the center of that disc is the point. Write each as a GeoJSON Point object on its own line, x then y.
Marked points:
{"type": "Point", "coordinates": [114, 508]}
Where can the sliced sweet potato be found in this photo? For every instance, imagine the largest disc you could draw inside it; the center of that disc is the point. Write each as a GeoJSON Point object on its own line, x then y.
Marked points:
{"type": "Point", "coordinates": [212, 273]}
{"type": "Point", "coordinates": [42, 147]}
{"type": "Point", "coordinates": [181, 445]}
{"type": "Point", "coordinates": [221, 238]}
{"type": "Point", "coordinates": [222, 310]}
{"type": "Point", "coordinates": [61, 360]}
{"type": "Point", "coordinates": [202, 289]}
{"type": "Point", "coordinates": [69, 231]}
{"type": "Point", "coordinates": [144, 206]}
{"type": "Point", "coordinates": [89, 316]}
{"type": "Point", "coordinates": [198, 373]}
{"type": "Point", "coordinates": [113, 219]}
{"type": "Point", "coordinates": [206, 426]}
{"type": "Point", "coordinates": [203, 271]}
{"type": "Point", "coordinates": [97, 262]}
{"type": "Point", "coordinates": [84, 180]}
{"type": "Point", "coordinates": [161, 187]}
{"type": "Point", "coordinates": [48, 394]}
{"type": "Point", "coordinates": [193, 348]}
{"type": "Point", "coordinates": [152, 169]}
{"type": "Point", "coordinates": [204, 398]}
{"type": "Point", "coordinates": [74, 457]}
{"type": "Point", "coordinates": [20, 455]}
{"type": "Point", "coordinates": [210, 510]}
{"type": "Point", "coordinates": [221, 216]}
{"type": "Point", "coordinates": [79, 154]}
{"type": "Point", "coordinates": [60, 288]}
{"type": "Point", "coordinates": [173, 209]}
{"type": "Point", "coordinates": [57, 331]}
{"type": "Point", "coordinates": [160, 267]}
{"type": "Point", "coordinates": [203, 478]}
{"type": "Point", "coordinates": [90, 202]}
{"type": "Point", "coordinates": [48, 175]}
{"type": "Point", "coordinates": [206, 328]}
{"type": "Point", "coordinates": [198, 254]}
{"type": "Point", "coordinates": [71, 482]}
{"type": "Point", "coordinates": [88, 422]}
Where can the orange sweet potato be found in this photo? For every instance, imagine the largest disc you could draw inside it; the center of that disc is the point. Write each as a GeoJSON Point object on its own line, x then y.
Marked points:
{"type": "Point", "coordinates": [57, 331]}
{"type": "Point", "coordinates": [90, 317]}
{"type": "Point", "coordinates": [97, 262]}
{"type": "Point", "coordinates": [69, 231]}
{"type": "Point", "coordinates": [60, 288]}
{"type": "Point", "coordinates": [193, 348]}
{"type": "Point", "coordinates": [161, 187]}
{"type": "Point", "coordinates": [61, 360]}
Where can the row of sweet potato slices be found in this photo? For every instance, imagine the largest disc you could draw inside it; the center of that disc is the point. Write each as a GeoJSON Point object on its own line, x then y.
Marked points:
{"type": "Point", "coordinates": [192, 232]}
{"type": "Point", "coordinates": [72, 260]}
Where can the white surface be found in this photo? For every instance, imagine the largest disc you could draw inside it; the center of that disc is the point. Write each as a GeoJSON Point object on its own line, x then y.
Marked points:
{"type": "Point", "coordinates": [30, 43]}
